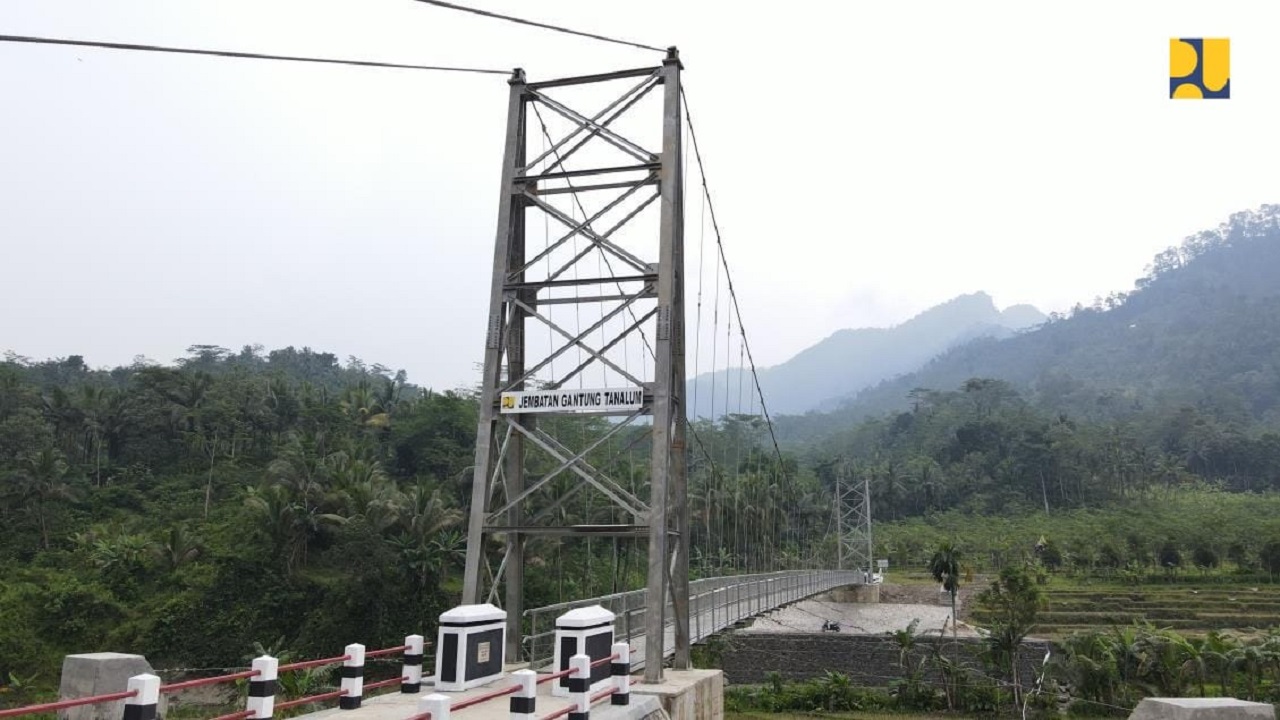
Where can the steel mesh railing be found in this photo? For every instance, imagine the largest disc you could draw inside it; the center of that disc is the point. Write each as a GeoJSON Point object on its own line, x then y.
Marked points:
{"type": "Point", "coordinates": [714, 604]}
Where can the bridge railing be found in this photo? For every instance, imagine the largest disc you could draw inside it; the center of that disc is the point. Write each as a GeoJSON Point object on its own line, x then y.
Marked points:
{"type": "Point", "coordinates": [524, 693]}
{"type": "Point", "coordinates": [143, 693]}
{"type": "Point", "coordinates": [714, 604]}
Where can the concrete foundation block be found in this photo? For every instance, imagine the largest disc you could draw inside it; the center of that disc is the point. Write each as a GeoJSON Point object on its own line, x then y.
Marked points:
{"type": "Point", "coordinates": [98, 674]}
{"type": "Point", "coordinates": [1201, 709]}
{"type": "Point", "coordinates": [687, 694]}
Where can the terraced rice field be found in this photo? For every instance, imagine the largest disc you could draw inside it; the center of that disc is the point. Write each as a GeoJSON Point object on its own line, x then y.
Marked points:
{"type": "Point", "coordinates": [1189, 609]}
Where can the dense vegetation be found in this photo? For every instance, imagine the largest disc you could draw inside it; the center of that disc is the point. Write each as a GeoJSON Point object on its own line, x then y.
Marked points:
{"type": "Point", "coordinates": [282, 498]}
{"type": "Point", "coordinates": [187, 512]}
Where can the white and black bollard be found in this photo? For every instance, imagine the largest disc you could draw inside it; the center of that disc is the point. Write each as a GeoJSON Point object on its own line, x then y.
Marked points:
{"type": "Point", "coordinates": [589, 631]}
{"type": "Point", "coordinates": [524, 701]}
{"type": "Point", "coordinates": [352, 677]}
{"type": "Point", "coordinates": [437, 704]}
{"type": "Point", "coordinates": [412, 671]}
{"type": "Point", "coordinates": [146, 698]}
{"type": "Point", "coordinates": [580, 687]}
{"type": "Point", "coordinates": [262, 688]}
{"type": "Point", "coordinates": [620, 669]}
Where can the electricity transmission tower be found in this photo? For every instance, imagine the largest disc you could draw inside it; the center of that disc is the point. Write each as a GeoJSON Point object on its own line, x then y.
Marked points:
{"type": "Point", "coordinates": [853, 524]}
{"type": "Point", "coordinates": [627, 281]}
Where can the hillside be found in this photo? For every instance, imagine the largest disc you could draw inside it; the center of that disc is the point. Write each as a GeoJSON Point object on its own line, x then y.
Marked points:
{"type": "Point", "coordinates": [1202, 329]}
{"type": "Point", "coordinates": [852, 359]}
{"type": "Point", "coordinates": [188, 511]}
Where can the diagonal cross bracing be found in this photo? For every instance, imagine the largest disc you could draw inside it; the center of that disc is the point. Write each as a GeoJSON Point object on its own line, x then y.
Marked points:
{"type": "Point", "coordinates": [586, 224]}
{"type": "Point", "coordinates": [582, 469]}
{"type": "Point", "coordinates": [635, 211]}
{"type": "Point", "coordinates": [634, 94]}
{"type": "Point", "coordinates": [604, 133]}
{"type": "Point", "coordinates": [605, 348]}
{"type": "Point", "coordinates": [576, 340]}
{"type": "Point", "coordinates": [564, 465]}
{"type": "Point", "coordinates": [580, 228]}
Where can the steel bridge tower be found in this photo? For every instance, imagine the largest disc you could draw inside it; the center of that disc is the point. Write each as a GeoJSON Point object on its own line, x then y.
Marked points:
{"type": "Point", "coordinates": [853, 524]}
{"type": "Point", "coordinates": [524, 389]}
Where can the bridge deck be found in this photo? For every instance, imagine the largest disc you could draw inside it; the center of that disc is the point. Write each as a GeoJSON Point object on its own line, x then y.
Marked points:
{"type": "Point", "coordinates": [714, 604]}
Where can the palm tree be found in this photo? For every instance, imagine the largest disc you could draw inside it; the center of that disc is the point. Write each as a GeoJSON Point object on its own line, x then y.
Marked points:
{"type": "Point", "coordinates": [945, 568]}
{"type": "Point", "coordinates": [43, 478]}
{"type": "Point", "coordinates": [177, 548]}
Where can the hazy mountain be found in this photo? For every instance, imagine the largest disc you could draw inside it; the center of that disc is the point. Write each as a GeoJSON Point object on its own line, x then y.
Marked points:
{"type": "Point", "coordinates": [850, 360]}
{"type": "Point", "coordinates": [1200, 330]}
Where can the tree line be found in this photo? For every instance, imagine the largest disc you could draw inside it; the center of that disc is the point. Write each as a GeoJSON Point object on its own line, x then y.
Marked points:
{"type": "Point", "coordinates": [191, 511]}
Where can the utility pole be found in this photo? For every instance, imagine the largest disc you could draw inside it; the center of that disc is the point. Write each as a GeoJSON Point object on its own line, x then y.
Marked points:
{"type": "Point", "coordinates": [637, 292]}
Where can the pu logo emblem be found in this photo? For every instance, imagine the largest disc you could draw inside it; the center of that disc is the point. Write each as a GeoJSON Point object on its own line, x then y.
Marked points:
{"type": "Point", "coordinates": [1199, 68]}
{"type": "Point", "coordinates": [508, 402]}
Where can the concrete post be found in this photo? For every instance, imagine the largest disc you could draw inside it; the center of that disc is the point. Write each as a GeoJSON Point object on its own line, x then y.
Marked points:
{"type": "Point", "coordinates": [621, 672]}
{"type": "Point", "coordinates": [352, 677]}
{"type": "Point", "coordinates": [524, 701]}
{"type": "Point", "coordinates": [262, 688]}
{"type": "Point", "coordinates": [437, 704]}
{"type": "Point", "coordinates": [411, 673]}
{"type": "Point", "coordinates": [143, 705]}
{"type": "Point", "coordinates": [580, 687]}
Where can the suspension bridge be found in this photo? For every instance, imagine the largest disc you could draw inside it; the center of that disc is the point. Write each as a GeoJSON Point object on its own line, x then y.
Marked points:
{"type": "Point", "coordinates": [607, 298]}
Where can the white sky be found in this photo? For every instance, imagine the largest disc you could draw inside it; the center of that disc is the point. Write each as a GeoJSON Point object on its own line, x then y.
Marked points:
{"type": "Point", "coordinates": [868, 160]}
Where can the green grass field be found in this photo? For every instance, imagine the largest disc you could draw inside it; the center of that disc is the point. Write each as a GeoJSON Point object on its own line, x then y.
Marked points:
{"type": "Point", "coordinates": [1189, 609]}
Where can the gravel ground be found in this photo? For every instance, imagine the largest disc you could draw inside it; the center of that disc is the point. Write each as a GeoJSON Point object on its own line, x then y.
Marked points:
{"type": "Point", "coordinates": [861, 618]}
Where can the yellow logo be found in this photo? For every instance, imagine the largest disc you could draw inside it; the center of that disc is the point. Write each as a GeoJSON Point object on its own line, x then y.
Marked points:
{"type": "Point", "coordinates": [1199, 68]}
{"type": "Point", "coordinates": [508, 402]}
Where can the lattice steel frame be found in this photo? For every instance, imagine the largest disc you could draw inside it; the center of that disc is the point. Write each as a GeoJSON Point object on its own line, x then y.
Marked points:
{"type": "Point", "coordinates": [853, 524]}
{"type": "Point", "coordinates": [502, 504]}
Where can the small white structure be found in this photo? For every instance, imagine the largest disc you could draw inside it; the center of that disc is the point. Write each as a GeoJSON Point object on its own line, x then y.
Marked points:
{"type": "Point", "coordinates": [470, 646]}
{"type": "Point", "coordinates": [1202, 709]}
{"type": "Point", "coordinates": [586, 631]}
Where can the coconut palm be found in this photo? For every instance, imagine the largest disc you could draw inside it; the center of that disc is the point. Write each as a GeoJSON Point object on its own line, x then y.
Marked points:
{"type": "Point", "coordinates": [945, 568]}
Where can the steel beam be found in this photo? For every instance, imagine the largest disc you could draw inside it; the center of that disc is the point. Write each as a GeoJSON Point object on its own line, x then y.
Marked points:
{"type": "Point", "coordinates": [508, 209]}
{"type": "Point", "coordinates": [668, 389]}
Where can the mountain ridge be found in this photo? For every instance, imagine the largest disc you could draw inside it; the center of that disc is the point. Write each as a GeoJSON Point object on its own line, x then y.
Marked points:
{"type": "Point", "coordinates": [1201, 329]}
{"type": "Point", "coordinates": [851, 359]}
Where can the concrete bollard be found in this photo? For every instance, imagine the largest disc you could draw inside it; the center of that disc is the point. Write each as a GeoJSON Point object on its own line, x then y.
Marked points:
{"type": "Point", "coordinates": [412, 671]}
{"type": "Point", "coordinates": [145, 704]}
{"type": "Point", "coordinates": [620, 669]}
{"type": "Point", "coordinates": [437, 704]}
{"type": "Point", "coordinates": [262, 687]}
{"type": "Point", "coordinates": [352, 677]}
{"type": "Point", "coordinates": [524, 701]}
{"type": "Point", "coordinates": [580, 687]}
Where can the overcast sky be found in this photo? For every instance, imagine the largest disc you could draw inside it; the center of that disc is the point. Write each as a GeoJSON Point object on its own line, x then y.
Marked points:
{"type": "Point", "coordinates": [868, 160]}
